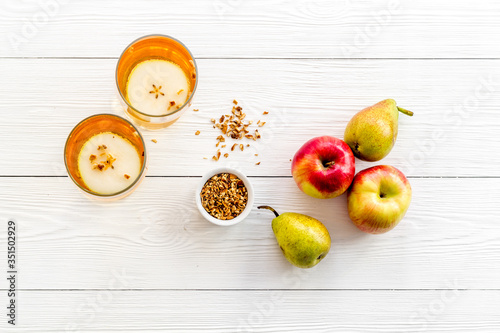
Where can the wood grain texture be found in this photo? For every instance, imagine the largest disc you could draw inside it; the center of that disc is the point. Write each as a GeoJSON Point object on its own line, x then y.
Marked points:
{"type": "Point", "coordinates": [151, 263]}
{"type": "Point", "coordinates": [453, 132]}
{"type": "Point", "coordinates": [259, 311]}
{"type": "Point", "coordinates": [291, 29]}
{"type": "Point", "coordinates": [158, 238]}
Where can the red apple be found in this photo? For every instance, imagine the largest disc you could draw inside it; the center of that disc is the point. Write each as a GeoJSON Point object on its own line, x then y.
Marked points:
{"type": "Point", "coordinates": [323, 167]}
{"type": "Point", "coordinates": [378, 199]}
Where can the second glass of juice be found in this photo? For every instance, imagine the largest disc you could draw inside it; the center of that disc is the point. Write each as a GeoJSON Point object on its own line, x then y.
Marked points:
{"type": "Point", "coordinates": [156, 77]}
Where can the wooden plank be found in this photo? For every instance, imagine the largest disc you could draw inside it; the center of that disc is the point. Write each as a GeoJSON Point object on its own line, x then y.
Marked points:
{"type": "Point", "coordinates": [453, 132]}
{"type": "Point", "coordinates": [258, 311]}
{"type": "Point", "coordinates": [234, 28]}
{"type": "Point", "coordinates": [158, 238]}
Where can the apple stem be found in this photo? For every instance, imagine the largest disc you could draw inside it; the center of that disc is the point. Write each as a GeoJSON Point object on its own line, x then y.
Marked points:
{"type": "Point", "coordinates": [270, 208]}
{"type": "Point", "coordinates": [329, 164]}
{"type": "Point", "coordinates": [406, 112]}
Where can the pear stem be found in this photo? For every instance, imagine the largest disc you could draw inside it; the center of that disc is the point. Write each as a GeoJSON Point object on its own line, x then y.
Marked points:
{"type": "Point", "coordinates": [406, 112]}
{"type": "Point", "coordinates": [270, 208]}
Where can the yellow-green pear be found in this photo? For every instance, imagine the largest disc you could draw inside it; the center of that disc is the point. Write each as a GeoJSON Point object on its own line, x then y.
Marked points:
{"type": "Point", "coordinates": [304, 240]}
{"type": "Point", "coordinates": [372, 132]}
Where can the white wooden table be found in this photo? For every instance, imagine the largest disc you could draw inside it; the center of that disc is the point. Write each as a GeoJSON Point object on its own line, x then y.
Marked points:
{"type": "Point", "coordinates": [151, 263]}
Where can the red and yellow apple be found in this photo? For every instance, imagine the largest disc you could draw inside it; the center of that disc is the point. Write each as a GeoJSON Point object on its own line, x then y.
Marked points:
{"type": "Point", "coordinates": [323, 167]}
{"type": "Point", "coordinates": [378, 199]}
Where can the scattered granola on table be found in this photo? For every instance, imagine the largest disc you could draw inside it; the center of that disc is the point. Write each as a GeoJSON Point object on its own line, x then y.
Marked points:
{"type": "Point", "coordinates": [224, 196]}
{"type": "Point", "coordinates": [234, 127]}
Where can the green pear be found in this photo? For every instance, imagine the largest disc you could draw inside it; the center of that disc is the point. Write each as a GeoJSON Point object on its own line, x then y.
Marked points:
{"type": "Point", "coordinates": [372, 132]}
{"type": "Point", "coordinates": [304, 240]}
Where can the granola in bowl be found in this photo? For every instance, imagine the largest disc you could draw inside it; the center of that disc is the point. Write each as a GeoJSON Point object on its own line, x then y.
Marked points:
{"type": "Point", "coordinates": [224, 196]}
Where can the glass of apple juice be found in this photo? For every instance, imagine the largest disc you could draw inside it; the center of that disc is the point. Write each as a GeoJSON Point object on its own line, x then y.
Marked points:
{"type": "Point", "coordinates": [105, 156]}
{"type": "Point", "coordinates": [156, 77]}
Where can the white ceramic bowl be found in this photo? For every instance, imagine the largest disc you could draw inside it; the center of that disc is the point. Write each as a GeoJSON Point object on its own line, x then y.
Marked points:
{"type": "Point", "coordinates": [243, 214]}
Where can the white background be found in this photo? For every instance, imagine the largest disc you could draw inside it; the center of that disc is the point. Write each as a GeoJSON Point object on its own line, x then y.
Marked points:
{"type": "Point", "coordinates": [151, 263]}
